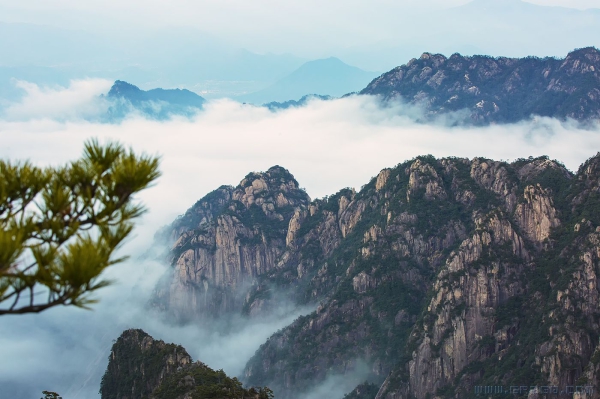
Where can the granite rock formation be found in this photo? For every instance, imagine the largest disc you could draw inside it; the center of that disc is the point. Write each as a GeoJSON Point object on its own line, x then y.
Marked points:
{"type": "Point", "coordinates": [487, 90]}
{"type": "Point", "coordinates": [439, 274]}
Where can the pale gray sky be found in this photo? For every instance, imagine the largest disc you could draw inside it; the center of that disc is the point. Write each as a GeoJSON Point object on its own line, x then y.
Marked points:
{"type": "Point", "coordinates": [303, 27]}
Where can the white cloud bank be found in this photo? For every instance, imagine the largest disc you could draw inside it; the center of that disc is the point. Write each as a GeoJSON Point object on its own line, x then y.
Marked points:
{"type": "Point", "coordinates": [81, 100]}
{"type": "Point", "coordinates": [326, 145]}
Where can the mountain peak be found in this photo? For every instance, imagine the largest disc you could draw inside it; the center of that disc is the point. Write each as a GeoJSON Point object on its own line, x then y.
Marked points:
{"type": "Point", "coordinates": [331, 62]}
{"type": "Point", "coordinates": [122, 89]}
{"type": "Point", "coordinates": [327, 76]}
{"type": "Point", "coordinates": [158, 103]}
{"type": "Point", "coordinates": [276, 169]}
{"type": "Point", "coordinates": [591, 53]}
{"type": "Point", "coordinates": [273, 178]}
{"type": "Point", "coordinates": [328, 60]}
{"type": "Point", "coordinates": [141, 367]}
{"type": "Point", "coordinates": [155, 360]}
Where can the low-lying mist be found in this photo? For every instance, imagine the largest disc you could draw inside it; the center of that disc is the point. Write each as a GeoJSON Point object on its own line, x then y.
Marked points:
{"type": "Point", "coordinates": [327, 145]}
{"type": "Point", "coordinates": [336, 386]}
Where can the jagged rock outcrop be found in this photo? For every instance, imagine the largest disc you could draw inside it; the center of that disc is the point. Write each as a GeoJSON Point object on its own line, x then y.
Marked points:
{"type": "Point", "coordinates": [466, 293]}
{"type": "Point", "coordinates": [537, 216]}
{"type": "Point", "coordinates": [450, 268]}
{"type": "Point", "coordinates": [138, 364]}
{"type": "Point", "coordinates": [497, 90]}
{"type": "Point", "coordinates": [439, 275]}
{"type": "Point", "coordinates": [227, 240]}
{"type": "Point", "coordinates": [540, 328]}
{"type": "Point", "coordinates": [140, 367]}
{"type": "Point", "coordinates": [423, 176]}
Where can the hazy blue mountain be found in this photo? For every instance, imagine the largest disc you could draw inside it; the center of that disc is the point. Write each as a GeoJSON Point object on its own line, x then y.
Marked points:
{"type": "Point", "coordinates": [46, 56]}
{"type": "Point", "coordinates": [215, 68]}
{"type": "Point", "coordinates": [328, 76]}
{"type": "Point", "coordinates": [165, 58]}
{"type": "Point", "coordinates": [188, 57]}
{"type": "Point", "coordinates": [155, 103]}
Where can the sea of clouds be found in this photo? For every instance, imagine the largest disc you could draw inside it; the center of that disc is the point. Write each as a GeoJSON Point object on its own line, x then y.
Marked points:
{"type": "Point", "coordinates": [326, 145]}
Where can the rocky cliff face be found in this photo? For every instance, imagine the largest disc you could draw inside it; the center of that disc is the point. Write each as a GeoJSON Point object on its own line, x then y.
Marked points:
{"type": "Point", "coordinates": [440, 275]}
{"type": "Point", "coordinates": [516, 304]}
{"type": "Point", "coordinates": [497, 90]}
{"type": "Point", "coordinates": [226, 240]}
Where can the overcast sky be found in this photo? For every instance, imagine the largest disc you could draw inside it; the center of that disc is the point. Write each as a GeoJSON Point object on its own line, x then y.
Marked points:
{"type": "Point", "coordinates": [259, 25]}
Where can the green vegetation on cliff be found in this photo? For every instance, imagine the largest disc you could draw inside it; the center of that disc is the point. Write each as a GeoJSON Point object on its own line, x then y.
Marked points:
{"type": "Point", "coordinates": [140, 367]}
{"type": "Point", "coordinates": [439, 275]}
{"type": "Point", "coordinates": [497, 90]}
{"type": "Point", "coordinates": [442, 274]}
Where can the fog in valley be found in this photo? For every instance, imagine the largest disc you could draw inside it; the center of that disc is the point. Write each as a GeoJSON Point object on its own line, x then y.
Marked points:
{"type": "Point", "coordinates": [326, 145]}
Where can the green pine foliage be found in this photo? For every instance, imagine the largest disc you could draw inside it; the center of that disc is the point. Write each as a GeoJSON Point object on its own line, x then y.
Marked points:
{"type": "Point", "coordinates": [201, 382]}
{"type": "Point", "coordinates": [59, 226]}
{"type": "Point", "coordinates": [134, 369]}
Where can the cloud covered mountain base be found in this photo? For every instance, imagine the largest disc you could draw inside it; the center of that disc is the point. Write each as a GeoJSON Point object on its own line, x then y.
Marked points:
{"type": "Point", "coordinates": [325, 144]}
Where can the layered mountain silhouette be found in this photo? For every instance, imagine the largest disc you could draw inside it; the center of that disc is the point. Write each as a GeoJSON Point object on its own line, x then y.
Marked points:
{"type": "Point", "coordinates": [173, 57]}
{"type": "Point", "coordinates": [478, 89]}
{"type": "Point", "coordinates": [329, 76]}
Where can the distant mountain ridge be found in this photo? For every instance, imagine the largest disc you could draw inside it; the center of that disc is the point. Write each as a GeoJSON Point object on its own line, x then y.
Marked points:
{"type": "Point", "coordinates": [329, 76]}
{"type": "Point", "coordinates": [156, 103]}
{"type": "Point", "coordinates": [134, 94]}
{"type": "Point", "coordinates": [478, 89]}
{"type": "Point", "coordinates": [498, 90]}
{"type": "Point", "coordinates": [165, 57]}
